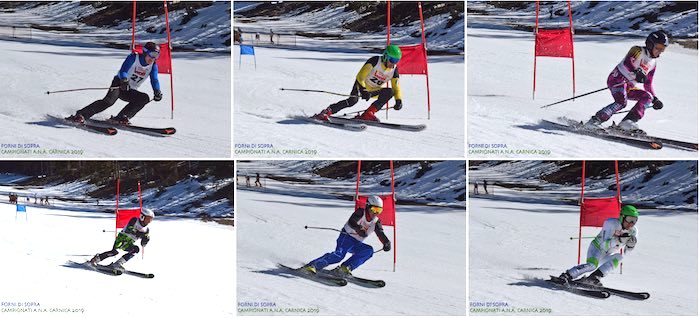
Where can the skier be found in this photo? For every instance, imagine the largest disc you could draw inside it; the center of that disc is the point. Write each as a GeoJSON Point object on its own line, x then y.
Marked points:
{"type": "Point", "coordinates": [638, 66]}
{"type": "Point", "coordinates": [137, 228]}
{"type": "Point", "coordinates": [374, 73]}
{"type": "Point", "coordinates": [362, 221]}
{"type": "Point", "coordinates": [257, 180]}
{"type": "Point", "coordinates": [135, 69]}
{"type": "Point", "coordinates": [604, 252]}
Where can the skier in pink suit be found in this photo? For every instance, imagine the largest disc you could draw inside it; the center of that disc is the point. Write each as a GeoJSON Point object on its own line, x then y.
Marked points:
{"type": "Point", "coordinates": [638, 67]}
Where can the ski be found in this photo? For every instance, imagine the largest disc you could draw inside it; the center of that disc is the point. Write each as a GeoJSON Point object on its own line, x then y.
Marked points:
{"type": "Point", "coordinates": [140, 129]}
{"type": "Point", "coordinates": [371, 283]}
{"type": "Point", "coordinates": [666, 141]}
{"type": "Point", "coordinates": [320, 277]}
{"type": "Point", "coordinates": [345, 126]}
{"type": "Point", "coordinates": [105, 130]}
{"type": "Point", "coordinates": [407, 127]}
{"type": "Point", "coordinates": [139, 274]}
{"type": "Point", "coordinates": [577, 127]}
{"type": "Point", "coordinates": [578, 290]}
{"type": "Point", "coordinates": [618, 292]}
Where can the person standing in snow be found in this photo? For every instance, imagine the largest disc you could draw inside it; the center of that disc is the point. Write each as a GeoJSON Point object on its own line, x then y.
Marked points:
{"type": "Point", "coordinates": [369, 80]}
{"type": "Point", "coordinates": [638, 67]}
{"type": "Point", "coordinates": [604, 252]}
{"type": "Point", "coordinates": [133, 72]}
{"type": "Point", "coordinates": [136, 229]}
{"type": "Point", "coordinates": [362, 222]}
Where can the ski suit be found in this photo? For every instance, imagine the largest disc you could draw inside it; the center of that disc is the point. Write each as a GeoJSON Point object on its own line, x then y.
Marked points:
{"type": "Point", "coordinates": [127, 238]}
{"type": "Point", "coordinates": [604, 251]}
{"type": "Point", "coordinates": [350, 241]}
{"type": "Point", "coordinates": [622, 84]}
{"type": "Point", "coordinates": [371, 77]}
{"type": "Point", "coordinates": [136, 70]}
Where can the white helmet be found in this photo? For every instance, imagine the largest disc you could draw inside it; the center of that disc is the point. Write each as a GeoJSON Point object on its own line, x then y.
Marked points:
{"type": "Point", "coordinates": [375, 204]}
{"type": "Point", "coordinates": [147, 212]}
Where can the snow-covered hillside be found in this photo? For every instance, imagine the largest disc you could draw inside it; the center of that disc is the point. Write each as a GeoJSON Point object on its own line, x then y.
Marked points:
{"type": "Point", "coordinates": [672, 187]}
{"type": "Point", "coordinates": [209, 30]}
{"type": "Point", "coordinates": [517, 240]}
{"type": "Point", "coordinates": [505, 121]}
{"type": "Point", "coordinates": [191, 277]}
{"type": "Point", "coordinates": [271, 230]}
{"type": "Point", "coordinates": [444, 183]}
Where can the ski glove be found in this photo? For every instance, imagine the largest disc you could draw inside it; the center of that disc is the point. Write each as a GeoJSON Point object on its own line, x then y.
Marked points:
{"type": "Point", "coordinates": [157, 96]}
{"type": "Point", "coordinates": [631, 242]}
{"type": "Point", "coordinates": [657, 104]}
{"type": "Point", "coordinates": [365, 94]}
{"type": "Point", "coordinates": [387, 246]}
{"type": "Point", "coordinates": [639, 76]}
{"type": "Point", "coordinates": [124, 85]}
{"type": "Point", "coordinates": [398, 105]}
{"type": "Point", "coordinates": [361, 232]}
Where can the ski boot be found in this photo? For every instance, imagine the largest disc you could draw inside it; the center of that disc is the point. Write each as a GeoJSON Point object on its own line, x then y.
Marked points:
{"type": "Point", "coordinates": [118, 266]}
{"type": "Point", "coordinates": [323, 115]}
{"type": "Point", "coordinates": [119, 120]}
{"type": "Point", "coordinates": [629, 126]}
{"type": "Point", "coordinates": [95, 259]}
{"type": "Point", "coordinates": [593, 124]}
{"type": "Point", "coordinates": [308, 269]}
{"type": "Point", "coordinates": [566, 277]}
{"type": "Point", "coordinates": [593, 279]}
{"type": "Point", "coordinates": [77, 118]}
{"type": "Point", "coordinates": [369, 114]}
{"type": "Point", "coordinates": [342, 271]}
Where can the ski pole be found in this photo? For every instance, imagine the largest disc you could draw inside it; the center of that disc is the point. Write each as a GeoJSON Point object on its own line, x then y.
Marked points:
{"type": "Point", "coordinates": [589, 93]}
{"type": "Point", "coordinates": [320, 228]}
{"type": "Point", "coordinates": [317, 91]}
{"type": "Point", "coordinates": [82, 89]}
{"type": "Point", "coordinates": [583, 237]}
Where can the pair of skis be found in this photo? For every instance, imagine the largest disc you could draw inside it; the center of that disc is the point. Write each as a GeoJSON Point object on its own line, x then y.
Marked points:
{"type": "Point", "coordinates": [109, 128]}
{"type": "Point", "coordinates": [328, 278]}
{"type": "Point", "coordinates": [614, 134]}
{"type": "Point", "coordinates": [355, 124]}
{"type": "Point", "coordinates": [596, 291]}
{"type": "Point", "coordinates": [111, 270]}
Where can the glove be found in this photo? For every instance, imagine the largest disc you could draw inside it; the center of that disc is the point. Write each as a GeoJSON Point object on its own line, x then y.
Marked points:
{"type": "Point", "coordinates": [365, 94]}
{"type": "Point", "coordinates": [398, 105]}
{"type": "Point", "coordinates": [639, 76]}
{"type": "Point", "coordinates": [361, 232]}
{"type": "Point", "coordinates": [157, 96]}
{"type": "Point", "coordinates": [631, 242]}
{"type": "Point", "coordinates": [124, 85]}
{"type": "Point", "coordinates": [657, 104]}
{"type": "Point", "coordinates": [387, 246]}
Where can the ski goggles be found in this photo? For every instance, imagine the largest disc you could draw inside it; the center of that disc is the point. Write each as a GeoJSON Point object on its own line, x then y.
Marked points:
{"type": "Point", "coordinates": [376, 209]}
{"type": "Point", "coordinates": [630, 219]}
{"type": "Point", "coordinates": [393, 60]}
{"type": "Point", "coordinates": [153, 54]}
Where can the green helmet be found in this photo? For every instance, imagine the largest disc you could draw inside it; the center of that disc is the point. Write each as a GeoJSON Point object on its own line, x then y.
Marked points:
{"type": "Point", "coordinates": [392, 53]}
{"type": "Point", "coordinates": [628, 210]}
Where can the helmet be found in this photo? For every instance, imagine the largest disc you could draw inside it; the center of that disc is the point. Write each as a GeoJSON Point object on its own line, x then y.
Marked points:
{"type": "Point", "coordinates": [656, 37]}
{"type": "Point", "coordinates": [147, 212]}
{"type": "Point", "coordinates": [374, 204]}
{"type": "Point", "coordinates": [628, 210]}
{"type": "Point", "coordinates": [151, 49]}
{"type": "Point", "coordinates": [392, 53]}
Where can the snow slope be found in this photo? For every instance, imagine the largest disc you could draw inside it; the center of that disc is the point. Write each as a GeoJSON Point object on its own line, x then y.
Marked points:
{"type": "Point", "coordinates": [510, 279]}
{"type": "Point", "coordinates": [261, 108]}
{"type": "Point", "coordinates": [207, 31]}
{"type": "Point", "coordinates": [503, 116]}
{"type": "Point", "coordinates": [430, 270]}
{"type": "Point", "coordinates": [187, 281]}
{"type": "Point", "coordinates": [202, 103]}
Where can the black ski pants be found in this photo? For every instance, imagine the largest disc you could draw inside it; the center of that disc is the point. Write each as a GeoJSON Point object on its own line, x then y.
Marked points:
{"type": "Point", "coordinates": [136, 101]}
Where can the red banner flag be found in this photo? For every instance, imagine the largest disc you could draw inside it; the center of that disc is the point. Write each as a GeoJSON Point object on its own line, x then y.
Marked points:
{"type": "Point", "coordinates": [388, 215]}
{"type": "Point", "coordinates": [594, 211]}
{"type": "Point", "coordinates": [124, 216]}
{"type": "Point", "coordinates": [163, 61]}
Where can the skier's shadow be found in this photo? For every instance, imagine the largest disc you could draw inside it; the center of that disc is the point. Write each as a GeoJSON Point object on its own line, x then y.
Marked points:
{"type": "Point", "coordinates": [294, 121]}
{"type": "Point", "coordinates": [49, 123]}
{"type": "Point", "coordinates": [279, 272]}
{"type": "Point", "coordinates": [544, 128]}
{"type": "Point", "coordinates": [535, 282]}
